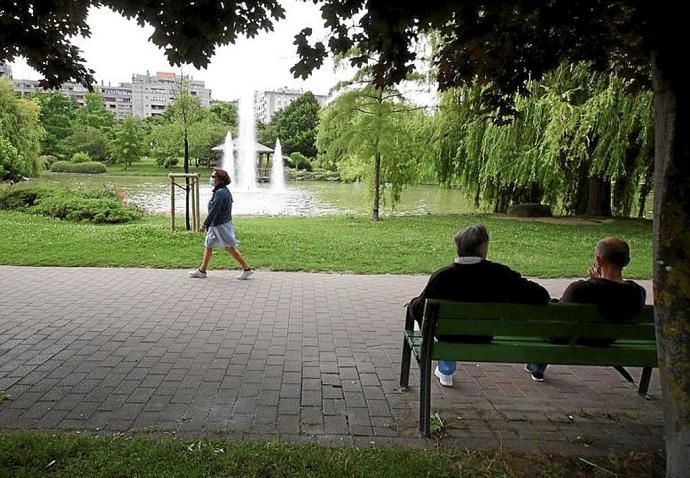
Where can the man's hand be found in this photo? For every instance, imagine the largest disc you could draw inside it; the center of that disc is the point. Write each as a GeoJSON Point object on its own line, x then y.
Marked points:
{"type": "Point", "coordinates": [202, 228]}
{"type": "Point", "coordinates": [594, 272]}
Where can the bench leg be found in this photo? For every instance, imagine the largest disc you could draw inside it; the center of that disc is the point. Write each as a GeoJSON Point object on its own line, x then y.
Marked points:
{"type": "Point", "coordinates": [644, 380]}
{"type": "Point", "coordinates": [406, 353]}
{"type": "Point", "coordinates": [405, 365]}
{"type": "Point", "coordinates": [425, 399]}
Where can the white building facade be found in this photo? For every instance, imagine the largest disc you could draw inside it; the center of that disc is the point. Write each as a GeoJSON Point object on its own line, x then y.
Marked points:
{"type": "Point", "coordinates": [268, 102]}
{"type": "Point", "coordinates": [147, 95]}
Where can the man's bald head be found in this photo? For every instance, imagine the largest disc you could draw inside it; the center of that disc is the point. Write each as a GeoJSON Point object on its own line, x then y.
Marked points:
{"type": "Point", "coordinates": [613, 251]}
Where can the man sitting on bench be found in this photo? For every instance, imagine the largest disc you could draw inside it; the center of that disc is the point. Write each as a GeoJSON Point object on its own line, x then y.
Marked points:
{"type": "Point", "coordinates": [617, 299]}
{"type": "Point", "coordinates": [473, 278]}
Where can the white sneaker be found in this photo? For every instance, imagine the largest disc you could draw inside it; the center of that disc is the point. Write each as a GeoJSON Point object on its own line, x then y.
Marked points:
{"type": "Point", "coordinates": [446, 380]}
{"type": "Point", "coordinates": [197, 274]}
{"type": "Point", "coordinates": [245, 274]}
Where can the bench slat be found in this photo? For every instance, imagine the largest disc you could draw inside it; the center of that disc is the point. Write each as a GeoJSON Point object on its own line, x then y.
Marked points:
{"type": "Point", "coordinates": [633, 353]}
{"type": "Point", "coordinates": [544, 328]}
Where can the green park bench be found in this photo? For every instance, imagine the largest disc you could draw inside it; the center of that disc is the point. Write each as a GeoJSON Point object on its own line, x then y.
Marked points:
{"type": "Point", "coordinates": [518, 337]}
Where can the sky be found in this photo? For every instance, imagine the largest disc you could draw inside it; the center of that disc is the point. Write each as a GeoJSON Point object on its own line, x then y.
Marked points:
{"type": "Point", "coordinates": [118, 48]}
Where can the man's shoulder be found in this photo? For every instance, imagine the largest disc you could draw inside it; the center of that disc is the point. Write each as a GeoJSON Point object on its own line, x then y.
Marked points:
{"type": "Point", "coordinates": [498, 268]}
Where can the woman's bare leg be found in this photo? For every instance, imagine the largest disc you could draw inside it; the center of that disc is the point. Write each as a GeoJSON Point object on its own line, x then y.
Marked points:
{"type": "Point", "coordinates": [238, 257]}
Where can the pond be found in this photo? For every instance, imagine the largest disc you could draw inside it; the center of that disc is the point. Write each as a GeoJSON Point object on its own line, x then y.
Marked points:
{"type": "Point", "coordinates": [301, 198]}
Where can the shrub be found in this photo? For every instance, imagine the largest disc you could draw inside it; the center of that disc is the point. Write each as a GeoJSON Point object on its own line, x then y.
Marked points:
{"type": "Point", "coordinates": [22, 198]}
{"type": "Point", "coordinates": [167, 162]}
{"type": "Point", "coordinates": [91, 167]}
{"type": "Point", "coordinates": [300, 161]}
{"type": "Point", "coordinates": [81, 157]}
{"type": "Point", "coordinates": [65, 205]}
{"type": "Point", "coordinates": [100, 205]}
{"type": "Point", "coordinates": [47, 159]}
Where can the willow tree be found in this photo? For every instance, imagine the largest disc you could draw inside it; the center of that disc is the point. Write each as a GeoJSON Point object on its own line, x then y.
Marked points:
{"type": "Point", "coordinates": [575, 133]}
{"type": "Point", "coordinates": [372, 134]}
{"type": "Point", "coordinates": [20, 135]}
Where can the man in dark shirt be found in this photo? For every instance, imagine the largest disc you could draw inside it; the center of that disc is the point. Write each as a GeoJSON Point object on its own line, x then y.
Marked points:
{"type": "Point", "coordinates": [618, 299]}
{"type": "Point", "coordinates": [473, 278]}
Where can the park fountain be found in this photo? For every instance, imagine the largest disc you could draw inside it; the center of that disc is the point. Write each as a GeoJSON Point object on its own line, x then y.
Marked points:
{"type": "Point", "coordinates": [277, 172]}
{"type": "Point", "coordinates": [227, 161]}
{"type": "Point", "coordinates": [246, 164]}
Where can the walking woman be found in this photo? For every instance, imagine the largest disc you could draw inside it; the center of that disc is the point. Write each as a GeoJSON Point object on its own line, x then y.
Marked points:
{"type": "Point", "coordinates": [218, 226]}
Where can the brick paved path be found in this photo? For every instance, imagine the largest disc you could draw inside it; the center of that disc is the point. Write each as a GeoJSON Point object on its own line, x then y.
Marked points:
{"type": "Point", "coordinates": [298, 356]}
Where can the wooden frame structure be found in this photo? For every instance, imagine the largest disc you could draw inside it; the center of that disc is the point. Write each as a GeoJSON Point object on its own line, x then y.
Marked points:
{"type": "Point", "coordinates": [194, 185]}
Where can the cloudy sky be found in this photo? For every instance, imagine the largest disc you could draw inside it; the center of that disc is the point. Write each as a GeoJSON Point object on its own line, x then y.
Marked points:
{"type": "Point", "coordinates": [118, 47]}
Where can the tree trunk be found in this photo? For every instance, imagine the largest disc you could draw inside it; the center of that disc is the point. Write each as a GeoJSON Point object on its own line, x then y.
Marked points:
{"type": "Point", "coordinates": [581, 196]}
{"type": "Point", "coordinates": [646, 188]}
{"type": "Point", "coordinates": [186, 182]}
{"type": "Point", "coordinates": [599, 197]}
{"type": "Point", "coordinates": [624, 187]}
{"type": "Point", "coordinates": [672, 237]}
{"type": "Point", "coordinates": [377, 187]}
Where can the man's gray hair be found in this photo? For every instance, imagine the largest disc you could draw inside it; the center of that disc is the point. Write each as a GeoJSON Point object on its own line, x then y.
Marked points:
{"type": "Point", "coordinates": [471, 240]}
{"type": "Point", "coordinates": [614, 251]}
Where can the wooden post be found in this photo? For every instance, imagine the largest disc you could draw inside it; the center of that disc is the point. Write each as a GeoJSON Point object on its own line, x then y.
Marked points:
{"type": "Point", "coordinates": [198, 204]}
{"type": "Point", "coordinates": [172, 202]}
{"type": "Point", "coordinates": [194, 205]}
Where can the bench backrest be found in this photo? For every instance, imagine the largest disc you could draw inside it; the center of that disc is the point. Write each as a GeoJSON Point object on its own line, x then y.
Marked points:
{"type": "Point", "coordinates": [575, 321]}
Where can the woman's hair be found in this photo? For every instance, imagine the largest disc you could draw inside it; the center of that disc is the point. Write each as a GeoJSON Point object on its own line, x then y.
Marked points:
{"type": "Point", "coordinates": [222, 175]}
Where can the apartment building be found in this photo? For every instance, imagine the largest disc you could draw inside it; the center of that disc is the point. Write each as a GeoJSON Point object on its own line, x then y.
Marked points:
{"type": "Point", "coordinates": [151, 94]}
{"type": "Point", "coordinates": [146, 95]}
{"type": "Point", "coordinates": [269, 102]}
{"type": "Point", "coordinates": [5, 70]}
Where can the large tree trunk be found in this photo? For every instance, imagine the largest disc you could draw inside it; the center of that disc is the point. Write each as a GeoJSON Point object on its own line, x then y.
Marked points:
{"type": "Point", "coordinates": [581, 196]}
{"type": "Point", "coordinates": [598, 197]}
{"type": "Point", "coordinates": [377, 187]}
{"type": "Point", "coordinates": [672, 238]}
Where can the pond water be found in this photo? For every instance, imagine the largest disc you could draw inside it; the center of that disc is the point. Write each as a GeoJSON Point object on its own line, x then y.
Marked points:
{"type": "Point", "coordinates": [301, 198]}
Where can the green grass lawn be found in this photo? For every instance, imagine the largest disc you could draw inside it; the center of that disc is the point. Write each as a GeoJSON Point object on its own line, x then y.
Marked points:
{"type": "Point", "coordinates": [148, 167]}
{"type": "Point", "coordinates": [29, 455]}
{"type": "Point", "coordinates": [396, 245]}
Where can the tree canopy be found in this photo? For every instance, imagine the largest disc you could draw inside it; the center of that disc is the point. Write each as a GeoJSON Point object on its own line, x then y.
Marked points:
{"type": "Point", "coordinates": [297, 124]}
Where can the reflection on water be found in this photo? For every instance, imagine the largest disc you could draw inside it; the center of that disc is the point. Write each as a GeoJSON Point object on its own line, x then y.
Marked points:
{"type": "Point", "coordinates": [299, 199]}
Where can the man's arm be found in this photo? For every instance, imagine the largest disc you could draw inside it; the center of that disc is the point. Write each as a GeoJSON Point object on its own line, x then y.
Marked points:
{"type": "Point", "coordinates": [528, 292]}
{"type": "Point", "coordinates": [416, 305]}
{"type": "Point", "coordinates": [571, 295]}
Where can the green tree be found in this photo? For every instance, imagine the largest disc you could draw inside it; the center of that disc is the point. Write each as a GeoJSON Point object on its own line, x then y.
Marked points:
{"type": "Point", "coordinates": [57, 117]}
{"type": "Point", "coordinates": [93, 114]}
{"type": "Point", "coordinates": [365, 132]}
{"type": "Point", "coordinates": [576, 133]}
{"type": "Point", "coordinates": [267, 133]}
{"type": "Point", "coordinates": [297, 125]}
{"type": "Point", "coordinates": [20, 135]}
{"type": "Point", "coordinates": [224, 113]}
{"type": "Point", "coordinates": [89, 140]}
{"type": "Point", "coordinates": [128, 145]}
